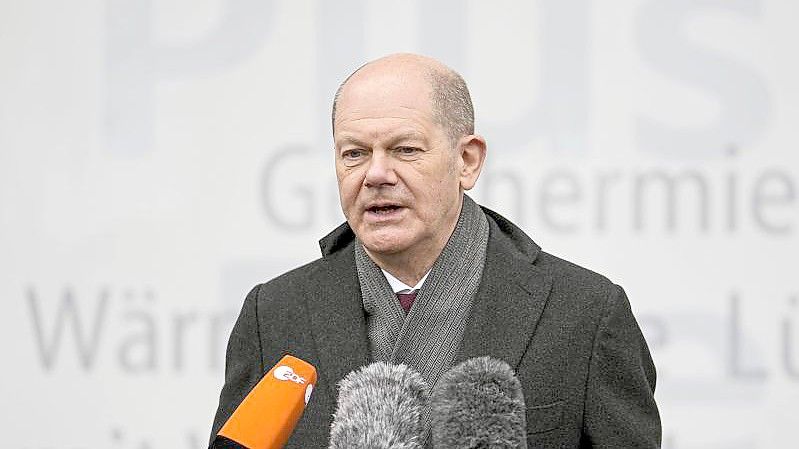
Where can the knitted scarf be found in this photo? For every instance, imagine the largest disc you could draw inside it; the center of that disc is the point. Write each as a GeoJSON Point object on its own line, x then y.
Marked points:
{"type": "Point", "coordinates": [428, 338]}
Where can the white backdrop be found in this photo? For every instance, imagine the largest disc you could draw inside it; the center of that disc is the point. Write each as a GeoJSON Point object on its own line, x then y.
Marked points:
{"type": "Point", "coordinates": [157, 159]}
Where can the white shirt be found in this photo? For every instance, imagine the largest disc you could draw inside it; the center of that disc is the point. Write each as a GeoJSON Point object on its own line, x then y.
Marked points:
{"type": "Point", "coordinates": [400, 287]}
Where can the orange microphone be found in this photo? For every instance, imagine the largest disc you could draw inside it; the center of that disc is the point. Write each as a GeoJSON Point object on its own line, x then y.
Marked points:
{"type": "Point", "coordinates": [266, 418]}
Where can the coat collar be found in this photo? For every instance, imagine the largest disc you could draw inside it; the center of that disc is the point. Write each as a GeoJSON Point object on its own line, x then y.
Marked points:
{"type": "Point", "coordinates": [506, 309]}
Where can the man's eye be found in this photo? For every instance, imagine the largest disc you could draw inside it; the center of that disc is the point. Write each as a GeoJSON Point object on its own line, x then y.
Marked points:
{"type": "Point", "coordinates": [407, 151]}
{"type": "Point", "coordinates": [352, 154]}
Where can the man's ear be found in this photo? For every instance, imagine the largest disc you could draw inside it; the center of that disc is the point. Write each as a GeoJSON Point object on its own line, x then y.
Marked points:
{"type": "Point", "coordinates": [472, 150]}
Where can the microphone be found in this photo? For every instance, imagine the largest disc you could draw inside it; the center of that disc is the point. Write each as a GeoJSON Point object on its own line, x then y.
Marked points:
{"type": "Point", "coordinates": [266, 418]}
{"type": "Point", "coordinates": [380, 406]}
{"type": "Point", "coordinates": [478, 404]}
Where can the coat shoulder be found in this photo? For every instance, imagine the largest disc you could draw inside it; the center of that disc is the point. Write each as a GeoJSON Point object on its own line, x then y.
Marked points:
{"type": "Point", "coordinates": [312, 278]}
{"type": "Point", "coordinates": [509, 239]}
{"type": "Point", "coordinates": [578, 295]}
{"type": "Point", "coordinates": [570, 276]}
{"type": "Point", "coordinates": [292, 283]}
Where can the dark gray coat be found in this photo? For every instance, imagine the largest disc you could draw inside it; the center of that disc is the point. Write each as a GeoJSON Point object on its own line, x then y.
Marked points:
{"type": "Point", "coordinates": [569, 334]}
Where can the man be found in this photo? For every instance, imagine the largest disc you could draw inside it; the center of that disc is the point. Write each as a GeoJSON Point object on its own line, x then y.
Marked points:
{"type": "Point", "coordinates": [470, 283]}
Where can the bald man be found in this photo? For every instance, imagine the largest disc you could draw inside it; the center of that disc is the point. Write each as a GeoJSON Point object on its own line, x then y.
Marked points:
{"type": "Point", "coordinates": [421, 275]}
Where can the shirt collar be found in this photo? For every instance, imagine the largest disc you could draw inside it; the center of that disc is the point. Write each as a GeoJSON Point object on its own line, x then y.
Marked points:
{"type": "Point", "coordinates": [400, 287]}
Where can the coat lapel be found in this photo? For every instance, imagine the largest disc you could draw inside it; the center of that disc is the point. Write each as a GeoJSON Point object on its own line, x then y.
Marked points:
{"type": "Point", "coordinates": [338, 324]}
{"type": "Point", "coordinates": [510, 299]}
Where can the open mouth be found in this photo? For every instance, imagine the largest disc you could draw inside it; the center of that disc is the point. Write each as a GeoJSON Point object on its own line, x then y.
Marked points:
{"type": "Point", "coordinates": [383, 210]}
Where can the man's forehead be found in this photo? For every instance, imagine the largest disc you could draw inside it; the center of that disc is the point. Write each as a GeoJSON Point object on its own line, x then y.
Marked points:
{"type": "Point", "coordinates": [389, 134]}
{"type": "Point", "coordinates": [364, 105]}
{"type": "Point", "coordinates": [383, 108]}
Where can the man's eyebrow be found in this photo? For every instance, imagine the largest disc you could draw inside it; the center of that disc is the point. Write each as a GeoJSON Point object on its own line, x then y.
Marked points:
{"type": "Point", "coordinates": [350, 140]}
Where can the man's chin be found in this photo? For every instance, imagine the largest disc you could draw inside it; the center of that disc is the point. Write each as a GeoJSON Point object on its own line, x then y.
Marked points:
{"type": "Point", "coordinates": [383, 244]}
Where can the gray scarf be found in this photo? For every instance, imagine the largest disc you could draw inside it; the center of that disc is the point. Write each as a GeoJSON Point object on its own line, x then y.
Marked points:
{"type": "Point", "coordinates": [428, 338]}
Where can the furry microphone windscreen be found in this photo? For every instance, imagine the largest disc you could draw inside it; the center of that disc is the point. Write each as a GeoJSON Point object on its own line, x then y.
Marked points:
{"type": "Point", "coordinates": [380, 406]}
{"type": "Point", "coordinates": [478, 404]}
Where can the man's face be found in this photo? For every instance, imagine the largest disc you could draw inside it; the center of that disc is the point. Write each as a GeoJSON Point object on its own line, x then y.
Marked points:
{"type": "Point", "coordinates": [398, 175]}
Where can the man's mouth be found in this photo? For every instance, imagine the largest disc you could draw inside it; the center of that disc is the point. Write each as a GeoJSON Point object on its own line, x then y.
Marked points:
{"type": "Point", "coordinates": [383, 210]}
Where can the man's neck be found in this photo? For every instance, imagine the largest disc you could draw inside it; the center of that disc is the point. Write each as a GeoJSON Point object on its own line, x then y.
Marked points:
{"type": "Point", "coordinates": [409, 269]}
{"type": "Point", "coordinates": [398, 286]}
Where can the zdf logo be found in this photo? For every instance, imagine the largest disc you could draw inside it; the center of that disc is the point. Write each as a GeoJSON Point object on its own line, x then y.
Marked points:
{"type": "Point", "coordinates": [284, 372]}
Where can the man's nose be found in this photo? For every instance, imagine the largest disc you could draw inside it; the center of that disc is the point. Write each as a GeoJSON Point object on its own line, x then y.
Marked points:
{"type": "Point", "coordinates": [380, 171]}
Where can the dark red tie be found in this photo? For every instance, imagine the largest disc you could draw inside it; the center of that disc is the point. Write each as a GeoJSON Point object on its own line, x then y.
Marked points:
{"type": "Point", "coordinates": [406, 300]}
